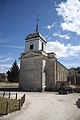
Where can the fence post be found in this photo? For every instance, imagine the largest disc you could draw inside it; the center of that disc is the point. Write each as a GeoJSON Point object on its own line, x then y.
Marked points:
{"type": "Point", "coordinates": [3, 93]}
{"type": "Point", "coordinates": [24, 97]}
{"type": "Point", "coordinates": [9, 94]}
{"type": "Point", "coordinates": [19, 104]}
{"type": "Point", "coordinates": [7, 104]}
{"type": "Point", "coordinates": [21, 101]}
{"type": "Point", "coordinates": [16, 96]}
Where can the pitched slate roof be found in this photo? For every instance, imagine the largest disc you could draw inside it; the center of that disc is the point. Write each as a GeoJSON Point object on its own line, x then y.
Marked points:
{"type": "Point", "coordinates": [35, 35]}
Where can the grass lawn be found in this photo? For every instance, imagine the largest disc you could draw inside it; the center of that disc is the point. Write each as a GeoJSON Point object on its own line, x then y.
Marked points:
{"type": "Point", "coordinates": [8, 85]}
{"type": "Point", "coordinates": [13, 105]}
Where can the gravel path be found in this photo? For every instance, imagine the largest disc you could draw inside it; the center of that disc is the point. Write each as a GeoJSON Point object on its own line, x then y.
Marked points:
{"type": "Point", "coordinates": [47, 106]}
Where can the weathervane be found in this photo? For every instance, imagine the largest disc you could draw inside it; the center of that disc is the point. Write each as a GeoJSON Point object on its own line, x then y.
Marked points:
{"type": "Point", "coordinates": [37, 23]}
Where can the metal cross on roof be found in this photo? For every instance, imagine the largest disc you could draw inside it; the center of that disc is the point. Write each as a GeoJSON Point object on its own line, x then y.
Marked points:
{"type": "Point", "coordinates": [37, 23]}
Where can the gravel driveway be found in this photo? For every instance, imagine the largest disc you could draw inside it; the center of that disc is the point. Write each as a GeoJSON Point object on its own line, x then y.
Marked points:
{"type": "Point", "coordinates": [47, 106]}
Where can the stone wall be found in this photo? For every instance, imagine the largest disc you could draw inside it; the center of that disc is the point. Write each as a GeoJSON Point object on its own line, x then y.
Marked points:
{"type": "Point", "coordinates": [61, 72]}
{"type": "Point", "coordinates": [50, 74]}
{"type": "Point", "coordinates": [56, 72]}
{"type": "Point", "coordinates": [61, 75]}
{"type": "Point", "coordinates": [30, 74]}
{"type": "Point", "coordinates": [39, 72]}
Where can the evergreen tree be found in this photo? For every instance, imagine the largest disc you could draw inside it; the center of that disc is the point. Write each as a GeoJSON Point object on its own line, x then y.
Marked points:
{"type": "Point", "coordinates": [13, 74]}
{"type": "Point", "coordinates": [77, 69]}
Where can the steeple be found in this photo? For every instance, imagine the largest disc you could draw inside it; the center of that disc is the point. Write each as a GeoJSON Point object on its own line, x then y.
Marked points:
{"type": "Point", "coordinates": [37, 23]}
{"type": "Point", "coordinates": [35, 41]}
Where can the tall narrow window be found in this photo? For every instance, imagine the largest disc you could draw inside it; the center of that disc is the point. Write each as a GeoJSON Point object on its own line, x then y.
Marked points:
{"type": "Point", "coordinates": [31, 47]}
{"type": "Point", "coordinates": [42, 46]}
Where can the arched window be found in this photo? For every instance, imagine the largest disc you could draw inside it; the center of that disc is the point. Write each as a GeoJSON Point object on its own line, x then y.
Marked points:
{"type": "Point", "coordinates": [31, 47]}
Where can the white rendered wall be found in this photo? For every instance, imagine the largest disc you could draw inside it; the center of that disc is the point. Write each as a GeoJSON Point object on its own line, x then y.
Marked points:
{"type": "Point", "coordinates": [37, 45]}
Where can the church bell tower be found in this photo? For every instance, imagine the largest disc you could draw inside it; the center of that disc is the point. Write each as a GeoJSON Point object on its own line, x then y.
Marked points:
{"type": "Point", "coordinates": [33, 63]}
{"type": "Point", "coordinates": [35, 41]}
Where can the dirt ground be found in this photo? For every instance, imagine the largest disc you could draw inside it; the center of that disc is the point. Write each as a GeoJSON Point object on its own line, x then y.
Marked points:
{"type": "Point", "coordinates": [47, 106]}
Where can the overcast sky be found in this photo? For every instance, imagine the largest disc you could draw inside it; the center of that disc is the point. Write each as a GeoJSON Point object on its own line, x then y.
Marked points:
{"type": "Point", "coordinates": [59, 23]}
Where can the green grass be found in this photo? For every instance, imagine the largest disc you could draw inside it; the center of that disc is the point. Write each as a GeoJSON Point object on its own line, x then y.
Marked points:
{"type": "Point", "coordinates": [13, 105]}
{"type": "Point", "coordinates": [9, 85]}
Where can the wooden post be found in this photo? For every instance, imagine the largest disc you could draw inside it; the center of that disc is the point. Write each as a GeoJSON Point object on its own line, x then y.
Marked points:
{"type": "Point", "coordinates": [21, 101]}
{"type": "Point", "coordinates": [3, 93]}
{"type": "Point", "coordinates": [16, 96]}
{"type": "Point", "coordinates": [9, 95]}
{"type": "Point", "coordinates": [24, 97]}
{"type": "Point", "coordinates": [19, 104]}
{"type": "Point", "coordinates": [7, 104]}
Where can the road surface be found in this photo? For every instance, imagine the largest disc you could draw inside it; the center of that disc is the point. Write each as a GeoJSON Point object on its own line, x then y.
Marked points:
{"type": "Point", "coordinates": [47, 106]}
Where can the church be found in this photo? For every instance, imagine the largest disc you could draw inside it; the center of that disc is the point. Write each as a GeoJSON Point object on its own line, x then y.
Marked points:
{"type": "Point", "coordinates": [40, 71]}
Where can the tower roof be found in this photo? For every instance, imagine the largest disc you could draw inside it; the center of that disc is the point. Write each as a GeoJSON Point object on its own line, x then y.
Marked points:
{"type": "Point", "coordinates": [35, 35]}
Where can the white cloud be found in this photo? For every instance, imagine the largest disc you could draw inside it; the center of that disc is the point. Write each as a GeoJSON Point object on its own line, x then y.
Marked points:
{"type": "Point", "coordinates": [10, 46]}
{"type": "Point", "coordinates": [5, 59]}
{"type": "Point", "coordinates": [62, 50]}
{"type": "Point", "coordinates": [62, 36]}
{"type": "Point", "coordinates": [70, 11]}
{"type": "Point", "coordinates": [47, 37]}
{"type": "Point", "coordinates": [19, 65]}
{"type": "Point", "coordinates": [50, 26]}
{"type": "Point", "coordinates": [4, 67]}
{"type": "Point", "coordinates": [72, 64]}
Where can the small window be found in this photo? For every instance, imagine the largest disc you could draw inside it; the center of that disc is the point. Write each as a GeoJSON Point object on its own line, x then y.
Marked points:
{"type": "Point", "coordinates": [42, 46]}
{"type": "Point", "coordinates": [31, 47]}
